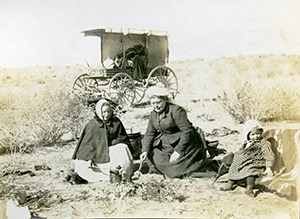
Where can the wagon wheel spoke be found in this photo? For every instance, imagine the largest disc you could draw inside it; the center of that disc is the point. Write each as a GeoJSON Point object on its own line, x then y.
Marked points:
{"type": "Point", "coordinates": [166, 76]}
{"type": "Point", "coordinates": [139, 93]}
{"type": "Point", "coordinates": [89, 88]}
{"type": "Point", "coordinates": [93, 88]}
{"type": "Point", "coordinates": [114, 84]}
{"type": "Point", "coordinates": [129, 95]}
{"type": "Point", "coordinates": [161, 76]}
{"type": "Point", "coordinates": [156, 77]}
{"type": "Point", "coordinates": [170, 80]}
{"type": "Point", "coordinates": [122, 89]}
{"type": "Point", "coordinates": [80, 85]}
{"type": "Point", "coordinates": [90, 84]}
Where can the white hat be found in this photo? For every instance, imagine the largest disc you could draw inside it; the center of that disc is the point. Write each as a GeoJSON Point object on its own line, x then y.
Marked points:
{"type": "Point", "coordinates": [98, 107]}
{"type": "Point", "coordinates": [250, 125]}
{"type": "Point", "coordinates": [158, 90]}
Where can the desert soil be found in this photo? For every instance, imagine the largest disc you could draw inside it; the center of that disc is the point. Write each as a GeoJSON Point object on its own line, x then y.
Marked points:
{"type": "Point", "coordinates": [48, 195]}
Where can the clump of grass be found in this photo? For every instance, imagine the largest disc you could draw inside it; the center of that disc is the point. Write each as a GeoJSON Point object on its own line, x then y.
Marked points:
{"type": "Point", "coordinates": [260, 101]}
{"type": "Point", "coordinates": [154, 190]}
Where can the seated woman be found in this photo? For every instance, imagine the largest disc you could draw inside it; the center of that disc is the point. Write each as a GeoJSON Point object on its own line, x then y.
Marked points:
{"type": "Point", "coordinates": [103, 147]}
{"type": "Point", "coordinates": [171, 143]}
{"type": "Point", "coordinates": [255, 158]}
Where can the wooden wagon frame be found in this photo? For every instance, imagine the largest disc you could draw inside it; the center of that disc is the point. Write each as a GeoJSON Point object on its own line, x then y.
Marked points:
{"type": "Point", "coordinates": [118, 82]}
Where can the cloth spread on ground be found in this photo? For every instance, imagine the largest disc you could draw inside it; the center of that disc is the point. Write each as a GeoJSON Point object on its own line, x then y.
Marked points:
{"type": "Point", "coordinates": [285, 144]}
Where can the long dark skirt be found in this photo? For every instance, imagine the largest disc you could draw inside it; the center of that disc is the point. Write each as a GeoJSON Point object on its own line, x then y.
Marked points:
{"type": "Point", "coordinates": [193, 160]}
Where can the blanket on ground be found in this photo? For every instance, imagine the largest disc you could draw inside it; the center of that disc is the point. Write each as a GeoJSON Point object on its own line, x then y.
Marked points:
{"type": "Point", "coordinates": [286, 148]}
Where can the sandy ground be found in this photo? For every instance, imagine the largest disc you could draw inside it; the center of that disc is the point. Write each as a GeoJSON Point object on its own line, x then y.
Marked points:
{"type": "Point", "coordinates": [48, 195]}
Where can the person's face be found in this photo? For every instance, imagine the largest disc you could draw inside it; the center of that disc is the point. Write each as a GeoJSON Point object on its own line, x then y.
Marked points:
{"type": "Point", "coordinates": [255, 135]}
{"type": "Point", "coordinates": [158, 104]}
{"type": "Point", "coordinates": [106, 112]}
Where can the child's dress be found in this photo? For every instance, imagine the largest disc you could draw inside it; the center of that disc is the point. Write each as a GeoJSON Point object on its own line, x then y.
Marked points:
{"type": "Point", "coordinates": [251, 160]}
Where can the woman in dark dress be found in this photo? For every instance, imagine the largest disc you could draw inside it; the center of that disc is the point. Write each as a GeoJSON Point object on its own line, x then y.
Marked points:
{"type": "Point", "coordinates": [103, 147]}
{"type": "Point", "coordinates": [171, 143]}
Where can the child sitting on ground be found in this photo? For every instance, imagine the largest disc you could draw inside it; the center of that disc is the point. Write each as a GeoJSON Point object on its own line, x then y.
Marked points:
{"type": "Point", "coordinates": [254, 159]}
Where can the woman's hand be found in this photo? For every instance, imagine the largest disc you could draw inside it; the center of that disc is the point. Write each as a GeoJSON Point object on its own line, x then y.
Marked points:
{"type": "Point", "coordinates": [268, 172]}
{"type": "Point", "coordinates": [143, 156]}
{"type": "Point", "coordinates": [174, 156]}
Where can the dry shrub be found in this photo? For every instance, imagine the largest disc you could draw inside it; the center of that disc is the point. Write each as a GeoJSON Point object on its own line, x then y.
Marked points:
{"type": "Point", "coordinates": [261, 101]}
{"type": "Point", "coordinates": [40, 119]}
{"type": "Point", "coordinates": [7, 120]}
{"type": "Point", "coordinates": [53, 114]}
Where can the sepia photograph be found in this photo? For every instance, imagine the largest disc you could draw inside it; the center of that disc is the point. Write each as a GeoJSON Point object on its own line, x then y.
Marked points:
{"type": "Point", "coordinates": [149, 109]}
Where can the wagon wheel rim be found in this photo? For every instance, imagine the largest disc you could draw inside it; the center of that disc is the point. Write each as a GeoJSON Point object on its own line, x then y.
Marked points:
{"type": "Point", "coordinates": [121, 89]}
{"type": "Point", "coordinates": [166, 76]}
{"type": "Point", "coordinates": [139, 92]}
{"type": "Point", "coordinates": [80, 84]}
{"type": "Point", "coordinates": [88, 87]}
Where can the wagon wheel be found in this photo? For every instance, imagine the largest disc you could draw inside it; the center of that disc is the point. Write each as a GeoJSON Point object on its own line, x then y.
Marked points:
{"type": "Point", "coordinates": [121, 89]}
{"type": "Point", "coordinates": [166, 76]}
{"type": "Point", "coordinates": [87, 86]}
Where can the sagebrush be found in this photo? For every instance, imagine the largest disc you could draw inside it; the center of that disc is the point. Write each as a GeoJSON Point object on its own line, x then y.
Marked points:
{"type": "Point", "coordinates": [40, 119]}
{"type": "Point", "coordinates": [261, 101]}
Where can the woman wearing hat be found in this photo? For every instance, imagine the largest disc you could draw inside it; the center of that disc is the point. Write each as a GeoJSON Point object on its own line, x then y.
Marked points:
{"type": "Point", "coordinates": [103, 147]}
{"type": "Point", "coordinates": [171, 143]}
{"type": "Point", "coordinates": [254, 159]}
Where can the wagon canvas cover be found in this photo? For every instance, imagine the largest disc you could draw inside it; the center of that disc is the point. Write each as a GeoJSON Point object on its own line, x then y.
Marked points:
{"type": "Point", "coordinates": [113, 42]}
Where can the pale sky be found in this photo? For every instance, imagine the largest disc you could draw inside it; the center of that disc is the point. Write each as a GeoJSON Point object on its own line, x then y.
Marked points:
{"type": "Point", "coordinates": [47, 32]}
